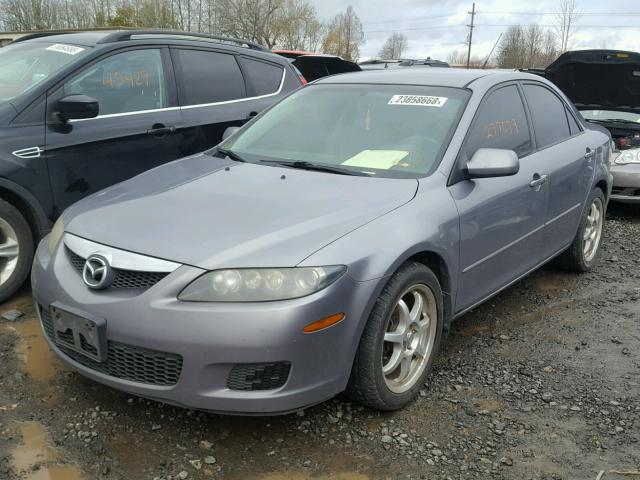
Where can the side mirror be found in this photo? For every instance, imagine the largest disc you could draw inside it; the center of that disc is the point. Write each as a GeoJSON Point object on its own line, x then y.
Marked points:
{"type": "Point", "coordinates": [492, 162]}
{"type": "Point", "coordinates": [229, 131]}
{"type": "Point", "coordinates": [75, 107]}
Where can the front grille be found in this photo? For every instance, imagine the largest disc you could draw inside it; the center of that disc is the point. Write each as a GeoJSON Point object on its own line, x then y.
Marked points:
{"type": "Point", "coordinates": [126, 362]}
{"type": "Point", "coordinates": [122, 278]}
{"type": "Point", "coordinates": [265, 376]}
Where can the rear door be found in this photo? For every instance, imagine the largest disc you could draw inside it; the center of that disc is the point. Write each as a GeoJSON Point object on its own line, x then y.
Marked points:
{"type": "Point", "coordinates": [562, 151]}
{"type": "Point", "coordinates": [218, 89]}
{"type": "Point", "coordinates": [501, 219]}
{"type": "Point", "coordinates": [134, 131]}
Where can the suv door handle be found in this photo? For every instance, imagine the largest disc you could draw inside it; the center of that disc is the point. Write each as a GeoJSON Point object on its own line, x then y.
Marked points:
{"type": "Point", "coordinates": [538, 180]}
{"type": "Point", "coordinates": [160, 130]}
{"type": "Point", "coordinates": [590, 153]}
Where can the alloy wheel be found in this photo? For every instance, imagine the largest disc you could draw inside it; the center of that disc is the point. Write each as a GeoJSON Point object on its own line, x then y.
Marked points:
{"type": "Point", "coordinates": [593, 230]}
{"type": "Point", "coordinates": [409, 338]}
{"type": "Point", "coordinates": [9, 251]}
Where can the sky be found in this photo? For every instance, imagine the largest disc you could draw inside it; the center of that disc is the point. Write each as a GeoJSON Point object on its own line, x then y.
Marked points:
{"type": "Point", "coordinates": [436, 28]}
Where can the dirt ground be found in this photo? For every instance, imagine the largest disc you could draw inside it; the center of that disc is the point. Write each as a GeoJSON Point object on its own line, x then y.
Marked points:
{"type": "Point", "coordinates": [541, 382]}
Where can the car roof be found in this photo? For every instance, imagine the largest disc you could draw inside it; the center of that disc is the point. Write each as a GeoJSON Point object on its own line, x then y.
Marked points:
{"type": "Point", "coordinates": [86, 39]}
{"type": "Point", "coordinates": [445, 77]}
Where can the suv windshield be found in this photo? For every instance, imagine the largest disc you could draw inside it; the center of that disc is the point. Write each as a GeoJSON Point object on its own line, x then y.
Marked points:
{"type": "Point", "coordinates": [382, 130]}
{"type": "Point", "coordinates": [604, 115]}
{"type": "Point", "coordinates": [24, 65]}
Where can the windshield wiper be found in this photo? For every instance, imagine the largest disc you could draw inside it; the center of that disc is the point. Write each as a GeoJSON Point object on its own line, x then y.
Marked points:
{"type": "Point", "coordinates": [231, 154]}
{"type": "Point", "coordinates": [615, 120]}
{"type": "Point", "coordinates": [304, 165]}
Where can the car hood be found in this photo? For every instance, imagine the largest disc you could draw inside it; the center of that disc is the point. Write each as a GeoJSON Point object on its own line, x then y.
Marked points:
{"type": "Point", "coordinates": [598, 79]}
{"type": "Point", "coordinates": [213, 213]}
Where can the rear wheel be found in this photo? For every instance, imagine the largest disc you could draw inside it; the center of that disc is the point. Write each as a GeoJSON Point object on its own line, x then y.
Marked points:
{"type": "Point", "coordinates": [584, 252]}
{"type": "Point", "coordinates": [16, 250]}
{"type": "Point", "coordinates": [400, 340]}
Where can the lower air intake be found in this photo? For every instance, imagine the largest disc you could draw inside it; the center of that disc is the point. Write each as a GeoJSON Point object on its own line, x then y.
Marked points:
{"type": "Point", "coordinates": [262, 376]}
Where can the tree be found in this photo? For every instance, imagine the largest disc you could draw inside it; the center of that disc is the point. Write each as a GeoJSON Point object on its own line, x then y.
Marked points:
{"type": "Point", "coordinates": [459, 57]}
{"type": "Point", "coordinates": [344, 35]}
{"type": "Point", "coordinates": [394, 47]}
{"type": "Point", "coordinates": [527, 47]}
{"type": "Point", "coordinates": [565, 22]}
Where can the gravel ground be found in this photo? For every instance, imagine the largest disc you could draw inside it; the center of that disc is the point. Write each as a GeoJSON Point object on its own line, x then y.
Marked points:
{"type": "Point", "coordinates": [541, 382]}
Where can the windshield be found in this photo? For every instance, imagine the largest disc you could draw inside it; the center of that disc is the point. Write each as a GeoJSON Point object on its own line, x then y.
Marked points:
{"type": "Point", "coordinates": [24, 65]}
{"type": "Point", "coordinates": [610, 115]}
{"type": "Point", "coordinates": [383, 130]}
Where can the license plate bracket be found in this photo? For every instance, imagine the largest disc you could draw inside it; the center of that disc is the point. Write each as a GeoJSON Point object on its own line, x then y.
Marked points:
{"type": "Point", "coordinates": [79, 332]}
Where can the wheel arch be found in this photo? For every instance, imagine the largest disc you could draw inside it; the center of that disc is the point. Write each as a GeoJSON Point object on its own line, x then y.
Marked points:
{"type": "Point", "coordinates": [27, 205]}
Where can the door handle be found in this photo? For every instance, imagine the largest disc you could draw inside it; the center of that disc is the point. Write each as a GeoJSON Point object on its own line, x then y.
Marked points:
{"type": "Point", "coordinates": [590, 153]}
{"type": "Point", "coordinates": [538, 180]}
{"type": "Point", "coordinates": [160, 130]}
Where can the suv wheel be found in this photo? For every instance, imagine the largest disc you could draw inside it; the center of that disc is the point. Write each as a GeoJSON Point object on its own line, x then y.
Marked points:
{"type": "Point", "coordinates": [584, 252]}
{"type": "Point", "coordinates": [16, 250]}
{"type": "Point", "coordinates": [400, 340]}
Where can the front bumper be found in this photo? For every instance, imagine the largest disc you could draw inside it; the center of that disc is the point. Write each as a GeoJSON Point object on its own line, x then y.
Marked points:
{"type": "Point", "coordinates": [626, 183]}
{"type": "Point", "coordinates": [212, 338]}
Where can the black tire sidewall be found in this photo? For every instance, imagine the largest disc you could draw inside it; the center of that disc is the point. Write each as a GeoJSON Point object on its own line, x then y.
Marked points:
{"type": "Point", "coordinates": [25, 256]}
{"type": "Point", "coordinates": [409, 274]}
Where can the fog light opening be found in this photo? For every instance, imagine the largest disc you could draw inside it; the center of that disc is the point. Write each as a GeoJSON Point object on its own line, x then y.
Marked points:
{"type": "Point", "coordinates": [324, 323]}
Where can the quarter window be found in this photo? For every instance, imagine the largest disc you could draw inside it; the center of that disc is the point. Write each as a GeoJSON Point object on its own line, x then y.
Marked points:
{"type": "Point", "coordinates": [548, 115]}
{"type": "Point", "coordinates": [265, 78]}
{"type": "Point", "coordinates": [501, 123]}
{"type": "Point", "coordinates": [126, 82]}
{"type": "Point", "coordinates": [573, 124]}
{"type": "Point", "coordinates": [209, 77]}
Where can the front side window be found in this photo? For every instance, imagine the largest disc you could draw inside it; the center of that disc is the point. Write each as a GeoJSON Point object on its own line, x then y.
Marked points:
{"type": "Point", "coordinates": [548, 114]}
{"type": "Point", "coordinates": [25, 65]}
{"type": "Point", "coordinates": [209, 77]}
{"type": "Point", "coordinates": [501, 123]}
{"type": "Point", "coordinates": [126, 82]}
{"type": "Point", "coordinates": [383, 130]}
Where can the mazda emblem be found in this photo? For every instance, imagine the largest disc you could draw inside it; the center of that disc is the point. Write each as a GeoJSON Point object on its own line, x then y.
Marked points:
{"type": "Point", "coordinates": [97, 273]}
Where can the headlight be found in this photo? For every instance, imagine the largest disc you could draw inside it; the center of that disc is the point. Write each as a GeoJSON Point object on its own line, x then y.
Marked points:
{"type": "Point", "coordinates": [628, 156]}
{"type": "Point", "coordinates": [260, 284]}
{"type": "Point", "coordinates": [56, 234]}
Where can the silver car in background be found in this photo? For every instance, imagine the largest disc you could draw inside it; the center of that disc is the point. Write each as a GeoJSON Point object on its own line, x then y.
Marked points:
{"type": "Point", "coordinates": [327, 245]}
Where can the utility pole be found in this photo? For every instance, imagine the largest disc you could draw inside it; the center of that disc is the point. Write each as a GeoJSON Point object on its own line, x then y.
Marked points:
{"type": "Point", "coordinates": [473, 16]}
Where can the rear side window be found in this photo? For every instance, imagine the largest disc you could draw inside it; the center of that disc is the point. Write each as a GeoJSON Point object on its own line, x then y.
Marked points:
{"type": "Point", "coordinates": [209, 77]}
{"type": "Point", "coordinates": [573, 124]}
{"type": "Point", "coordinates": [548, 114]}
{"type": "Point", "coordinates": [500, 123]}
{"type": "Point", "coordinates": [265, 78]}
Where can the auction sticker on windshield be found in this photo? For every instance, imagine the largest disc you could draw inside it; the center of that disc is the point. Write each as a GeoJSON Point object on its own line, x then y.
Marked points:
{"type": "Point", "coordinates": [68, 49]}
{"type": "Point", "coordinates": [420, 100]}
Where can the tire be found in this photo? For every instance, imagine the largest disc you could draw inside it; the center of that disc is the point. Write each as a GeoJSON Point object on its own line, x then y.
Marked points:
{"type": "Point", "coordinates": [368, 384]}
{"type": "Point", "coordinates": [15, 237]}
{"type": "Point", "coordinates": [580, 257]}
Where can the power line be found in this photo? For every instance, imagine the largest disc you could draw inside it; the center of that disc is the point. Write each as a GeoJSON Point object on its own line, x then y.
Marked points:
{"type": "Point", "coordinates": [426, 17]}
{"type": "Point", "coordinates": [550, 25]}
{"type": "Point", "coordinates": [582, 14]}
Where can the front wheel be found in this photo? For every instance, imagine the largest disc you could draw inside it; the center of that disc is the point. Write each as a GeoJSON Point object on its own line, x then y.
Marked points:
{"type": "Point", "coordinates": [16, 250]}
{"type": "Point", "coordinates": [400, 340]}
{"type": "Point", "coordinates": [584, 252]}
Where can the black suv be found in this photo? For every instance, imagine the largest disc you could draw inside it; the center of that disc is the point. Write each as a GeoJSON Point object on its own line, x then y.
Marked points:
{"type": "Point", "coordinates": [82, 111]}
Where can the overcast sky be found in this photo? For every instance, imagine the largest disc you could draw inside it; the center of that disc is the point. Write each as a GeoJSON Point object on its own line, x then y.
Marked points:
{"type": "Point", "coordinates": [436, 27]}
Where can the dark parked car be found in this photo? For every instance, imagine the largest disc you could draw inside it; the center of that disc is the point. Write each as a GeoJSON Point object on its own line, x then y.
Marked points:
{"type": "Point", "coordinates": [313, 66]}
{"type": "Point", "coordinates": [605, 86]}
{"type": "Point", "coordinates": [82, 111]}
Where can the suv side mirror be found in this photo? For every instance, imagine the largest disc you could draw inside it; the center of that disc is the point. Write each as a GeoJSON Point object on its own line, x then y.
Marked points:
{"type": "Point", "coordinates": [492, 162]}
{"type": "Point", "coordinates": [229, 131]}
{"type": "Point", "coordinates": [75, 107]}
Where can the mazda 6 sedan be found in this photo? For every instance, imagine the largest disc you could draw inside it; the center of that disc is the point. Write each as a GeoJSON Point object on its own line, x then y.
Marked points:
{"type": "Point", "coordinates": [328, 244]}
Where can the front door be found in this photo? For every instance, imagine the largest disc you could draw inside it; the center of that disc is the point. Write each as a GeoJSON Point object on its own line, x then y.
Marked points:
{"type": "Point", "coordinates": [135, 130]}
{"type": "Point", "coordinates": [501, 219]}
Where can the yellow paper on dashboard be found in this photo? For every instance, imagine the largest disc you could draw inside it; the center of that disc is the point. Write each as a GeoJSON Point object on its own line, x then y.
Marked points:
{"type": "Point", "coordinates": [379, 159]}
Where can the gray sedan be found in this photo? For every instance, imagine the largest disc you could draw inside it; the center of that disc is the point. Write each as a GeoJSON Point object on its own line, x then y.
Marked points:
{"type": "Point", "coordinates": [327, 245]}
